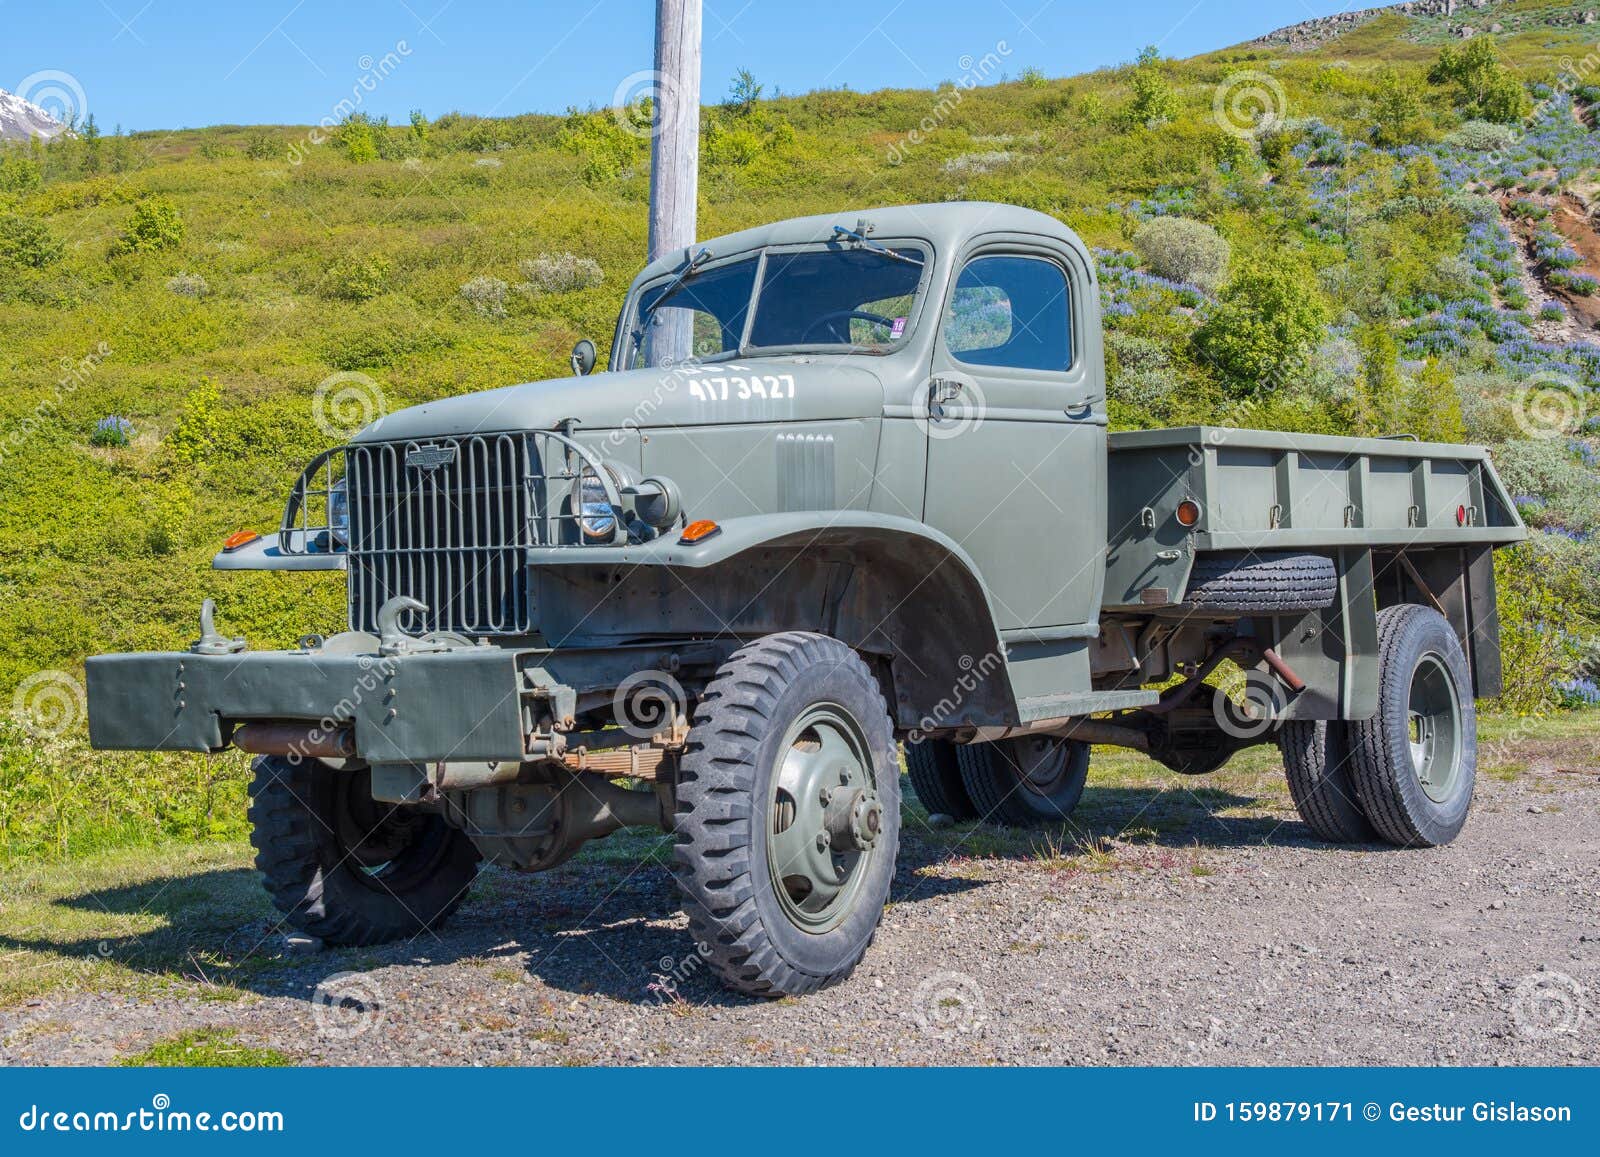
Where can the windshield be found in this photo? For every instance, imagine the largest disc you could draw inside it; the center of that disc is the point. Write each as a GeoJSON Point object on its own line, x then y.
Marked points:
{"type": "Point", "coordinates": [855, 298]}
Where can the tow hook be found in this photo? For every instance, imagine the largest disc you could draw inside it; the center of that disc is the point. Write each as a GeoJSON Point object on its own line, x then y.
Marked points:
{"type": "Point", "coordinates": [209, 642]}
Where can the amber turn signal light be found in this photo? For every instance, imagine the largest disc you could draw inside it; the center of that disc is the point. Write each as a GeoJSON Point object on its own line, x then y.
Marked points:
{"type": "Point", "coordinates": [698, 531]}
{"type": "Point", "coordinates": [1188, 512]}
{"type": "Point", "coordinates": [239, 538]}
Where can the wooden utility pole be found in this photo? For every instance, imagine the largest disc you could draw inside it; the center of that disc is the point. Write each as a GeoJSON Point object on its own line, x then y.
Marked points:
{"type": "Point", "coordinates": [675, 157]}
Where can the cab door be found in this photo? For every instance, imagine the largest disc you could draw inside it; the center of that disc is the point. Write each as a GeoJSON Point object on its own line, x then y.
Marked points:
{"type": "Point", "coordinates": [1016, 428]}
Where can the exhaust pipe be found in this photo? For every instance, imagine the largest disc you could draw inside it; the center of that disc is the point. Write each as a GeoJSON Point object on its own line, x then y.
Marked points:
{"type": "Point", "coordinates": [303, 739]}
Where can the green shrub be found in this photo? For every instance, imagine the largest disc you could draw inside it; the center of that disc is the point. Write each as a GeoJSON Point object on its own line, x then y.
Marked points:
{"type": "Point", "coordinates": [1485, 88]}
{"type": "Point", "coordinates": [1154, 102]}
{"type": "Point", "coordinates": [357, 277]}
{"type": "Point", "coordinates": [154, 225]}
{"type": "Point", "coordinates": [1183, 250]}
{"type": "Point", "coordinates": [1268, 317]}
{"type": "Point", "coordinates": [25, 241]}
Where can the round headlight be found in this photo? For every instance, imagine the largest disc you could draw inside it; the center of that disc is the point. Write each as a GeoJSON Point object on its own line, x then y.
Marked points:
{"type": "Point", "coordinates": [596, 515]}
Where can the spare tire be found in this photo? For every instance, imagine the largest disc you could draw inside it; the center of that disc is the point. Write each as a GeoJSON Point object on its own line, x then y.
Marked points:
{"type": "Point", "coordinates": [1261, 584]}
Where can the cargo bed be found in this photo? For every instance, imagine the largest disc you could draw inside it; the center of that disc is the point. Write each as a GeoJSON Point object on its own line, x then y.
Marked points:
{"type": "Point", "coordinates": [1264, 490]}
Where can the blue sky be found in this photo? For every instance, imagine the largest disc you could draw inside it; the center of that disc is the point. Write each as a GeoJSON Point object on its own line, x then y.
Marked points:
{"type": "Point", "coordinates": [154, 64]}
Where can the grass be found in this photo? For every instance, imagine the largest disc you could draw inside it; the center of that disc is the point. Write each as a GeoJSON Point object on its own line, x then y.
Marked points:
{"type": "Point", "coordinates": [206, 1048]}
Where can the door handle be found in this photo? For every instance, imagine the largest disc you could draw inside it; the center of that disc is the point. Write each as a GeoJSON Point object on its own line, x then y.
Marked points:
{"type": "Point", "coordinates": [941, 391]}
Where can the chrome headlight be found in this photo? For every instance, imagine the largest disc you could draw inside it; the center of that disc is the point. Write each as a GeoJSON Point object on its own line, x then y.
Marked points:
{"type": "Point", "coordinates": [596, 516]}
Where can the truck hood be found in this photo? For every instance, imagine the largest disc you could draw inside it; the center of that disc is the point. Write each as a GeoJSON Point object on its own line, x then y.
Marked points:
{"type": "Point", "coordinates": [767, 389]}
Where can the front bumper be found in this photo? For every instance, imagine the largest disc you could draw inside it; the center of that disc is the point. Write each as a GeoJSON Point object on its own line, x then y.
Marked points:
{"type": "Point", "coordinates": [464, 704]}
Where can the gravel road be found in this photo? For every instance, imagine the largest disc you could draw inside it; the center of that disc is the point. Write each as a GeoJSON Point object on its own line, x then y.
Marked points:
{"type": "Point", "coordinates": [1184, 926]}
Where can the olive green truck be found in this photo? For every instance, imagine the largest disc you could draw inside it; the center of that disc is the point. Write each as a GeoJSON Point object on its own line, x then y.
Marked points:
{"type": "Point", "coordinates": [846, 484]}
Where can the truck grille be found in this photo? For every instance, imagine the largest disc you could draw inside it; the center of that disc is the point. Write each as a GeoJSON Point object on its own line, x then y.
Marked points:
{"type": "Point", "coordinates": [446, 521]}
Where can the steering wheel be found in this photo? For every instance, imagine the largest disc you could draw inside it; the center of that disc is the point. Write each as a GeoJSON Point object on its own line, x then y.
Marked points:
{"type": "Point", "coordinates": [864, 315]}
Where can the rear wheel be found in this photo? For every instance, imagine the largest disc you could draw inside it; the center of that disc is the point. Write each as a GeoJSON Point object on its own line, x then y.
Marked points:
{"type": "Point", "coordinates": [346, 868]}
{"type": "Point", "coordinates": [1414, 762]}
{"type": "Point", "coordinates": [1316, 759]}
{"type": "Point", "coordinates": [788, 815]}
{"type": "Point", "coordinates": [1029, 779]}
{"type": "Point", "coordinates": [935, 770]}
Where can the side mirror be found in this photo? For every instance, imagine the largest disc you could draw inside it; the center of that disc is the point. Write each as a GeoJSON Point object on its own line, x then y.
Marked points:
{"type": "Point", "coordinates": [583, 357]}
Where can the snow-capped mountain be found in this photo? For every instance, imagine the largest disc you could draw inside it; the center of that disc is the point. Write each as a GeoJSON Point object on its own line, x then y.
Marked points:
{"type": "Point", "coordinates": [21, 119]}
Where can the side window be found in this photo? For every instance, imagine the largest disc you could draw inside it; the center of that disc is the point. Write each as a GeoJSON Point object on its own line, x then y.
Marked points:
{"type": "Point", "coordinates": [1011, 311]}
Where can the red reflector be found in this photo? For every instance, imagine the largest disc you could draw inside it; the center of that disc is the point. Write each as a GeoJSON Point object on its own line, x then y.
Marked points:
{"type": "Point", "coordinates": [1188, 512]}
{"type": "Point", "coordinates": [1461, 516]}
{"type": "Point", "coordinates": [698, 531]}
{"type": "Point", "coordinates": [239, 538]}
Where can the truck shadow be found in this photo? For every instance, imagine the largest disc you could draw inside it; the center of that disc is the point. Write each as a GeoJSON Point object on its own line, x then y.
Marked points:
{"type": "Point", "coordinates": [606, 925]}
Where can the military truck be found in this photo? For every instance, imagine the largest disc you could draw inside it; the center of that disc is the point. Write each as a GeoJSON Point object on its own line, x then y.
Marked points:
{"type": "Point", "coordinates": [846, 483]}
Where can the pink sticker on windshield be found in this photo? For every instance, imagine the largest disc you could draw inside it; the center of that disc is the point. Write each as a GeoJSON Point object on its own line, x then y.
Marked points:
{"type": "Point", "coordinates": [898, 329]}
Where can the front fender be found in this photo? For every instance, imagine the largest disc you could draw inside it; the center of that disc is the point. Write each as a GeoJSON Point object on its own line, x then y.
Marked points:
{"type": "Point", "coordinates": [885, 585]}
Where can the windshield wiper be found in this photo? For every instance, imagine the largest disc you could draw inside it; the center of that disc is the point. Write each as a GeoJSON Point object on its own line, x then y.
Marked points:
{"type": "Point", "coordinates": [672, 287]}
{"type": "Point", "coordinates": [859, 239]}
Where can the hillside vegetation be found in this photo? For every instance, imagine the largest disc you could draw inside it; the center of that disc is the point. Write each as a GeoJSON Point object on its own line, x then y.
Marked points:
{"type": "Point", "coordinates": [1387, 234]}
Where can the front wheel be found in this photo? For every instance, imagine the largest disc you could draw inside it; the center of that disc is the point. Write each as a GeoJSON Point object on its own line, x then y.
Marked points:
{"type": "Point", "coordinates": [788, 815]}
{"type": "Point", "coordinates": [1415, 761]}
{"type": "Point", "coordinates": [346, 868]}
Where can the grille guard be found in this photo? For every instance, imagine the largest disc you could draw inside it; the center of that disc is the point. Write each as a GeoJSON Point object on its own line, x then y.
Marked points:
{"type": "Point", "coordinates": [447, 521]}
